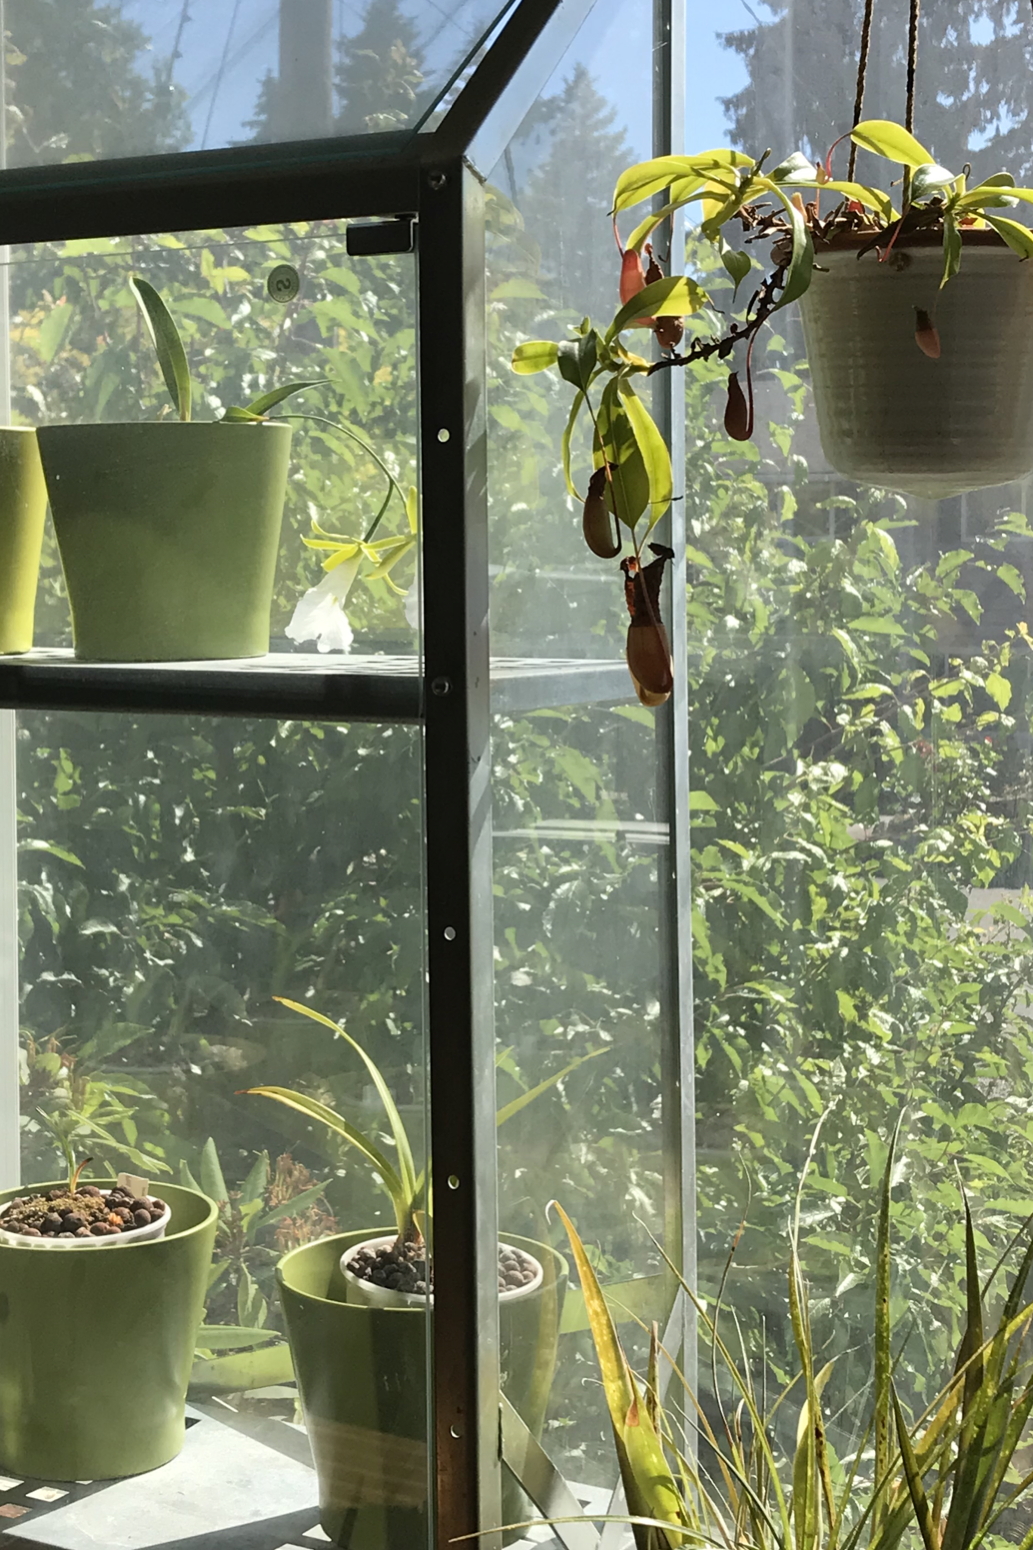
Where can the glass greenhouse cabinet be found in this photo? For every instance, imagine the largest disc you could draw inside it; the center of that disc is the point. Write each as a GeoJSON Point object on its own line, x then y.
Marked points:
{"type": "Point", "coordinates": [375, 985]}
{"type": "Point", "coordinates": [431, 810]}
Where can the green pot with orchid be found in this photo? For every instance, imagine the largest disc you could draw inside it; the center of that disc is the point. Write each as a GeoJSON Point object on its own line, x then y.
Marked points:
{"type": "Point", "coordinates": [169, 530]}
{"type": "Point", "coordinates": [355, 1305]}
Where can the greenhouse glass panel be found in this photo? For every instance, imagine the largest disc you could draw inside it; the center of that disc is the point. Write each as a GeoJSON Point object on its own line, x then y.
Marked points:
{"type": "Point", "coordinates": [92, 82]}
{"type": "Point", "coordinates": [860, 720]}
{"type": "Point", "coordinates": [582, 842]}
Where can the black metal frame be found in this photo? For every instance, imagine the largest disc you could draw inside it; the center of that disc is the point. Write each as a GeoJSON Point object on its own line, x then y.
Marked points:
{"type": "Point", "coordinates": [436, 179]}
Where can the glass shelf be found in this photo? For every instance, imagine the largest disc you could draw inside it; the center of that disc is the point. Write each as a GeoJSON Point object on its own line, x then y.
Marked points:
{"type": "Point", "coordinates": [297, 684]}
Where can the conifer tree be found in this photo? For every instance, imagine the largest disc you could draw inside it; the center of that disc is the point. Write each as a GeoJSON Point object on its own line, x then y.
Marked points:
{"type": "Point", "coordinates": [567, 197]}
{"type": "Point", "coordinates": [379, 71]}
{"type": "Point", "coordinates": [75, 86]}
{"type": "Point", "coordinates": [974, 65]}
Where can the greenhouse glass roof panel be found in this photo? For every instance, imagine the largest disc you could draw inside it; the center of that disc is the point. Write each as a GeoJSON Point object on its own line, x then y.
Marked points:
{"type": "Point", "coordinates": [98, 81]}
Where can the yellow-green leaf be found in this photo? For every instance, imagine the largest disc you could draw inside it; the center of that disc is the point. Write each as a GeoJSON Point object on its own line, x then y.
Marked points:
{"type": "Point", "coordinates": [673, 297]}
{"type": "Point", "coordinates": [653, 177]}
{"type": "Point", "coordinates": [653, 449]}
{"type": "Point", "coordinates": [535, 355]}
{"type": "Point", "coordinates": [999, 689]}
{"type": "Point", "coordinates": [891, 140]}
{"type": "Point", "coordinates": [167, 343]}
{"type": "Point", "coordinates": [1018, 237]}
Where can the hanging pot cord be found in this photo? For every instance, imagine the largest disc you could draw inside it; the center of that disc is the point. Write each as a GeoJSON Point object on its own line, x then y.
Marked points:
{"type": "Point", "coordinates": [862, 71]}
{"type": "Point", "coordinates": [912, 65]}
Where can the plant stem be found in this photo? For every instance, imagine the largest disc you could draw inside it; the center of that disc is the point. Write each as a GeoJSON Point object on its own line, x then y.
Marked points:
{"type": "Point", "coordinates": [393, 486]}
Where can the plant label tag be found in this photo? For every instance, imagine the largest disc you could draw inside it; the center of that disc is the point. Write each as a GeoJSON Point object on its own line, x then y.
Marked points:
{"type": "Point", "coordinates": [139, 1187]}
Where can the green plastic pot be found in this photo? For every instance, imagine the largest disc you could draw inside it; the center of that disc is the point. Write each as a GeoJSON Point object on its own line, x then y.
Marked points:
{"type": "Point", "coordinates": [96, 1347]}
{"type": "Point", "coordinates": [23, 510]}
{"type": "Point", "coordinates": [168, 535]}
{"type": "Point", "coordinates": [362, 1377]}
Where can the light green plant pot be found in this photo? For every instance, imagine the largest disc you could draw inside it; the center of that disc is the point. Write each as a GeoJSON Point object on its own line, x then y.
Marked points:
{"type": "Point", "coordinates": [168, 536]}
{"type": "Point", "coordinates": [96, 1347]}
{"type": "Point", "coordinates": [361, 1373]}
{"type": "Point", "coordinates": [23, 510]}
{"type": "Point", "coordinates": [888, 414]}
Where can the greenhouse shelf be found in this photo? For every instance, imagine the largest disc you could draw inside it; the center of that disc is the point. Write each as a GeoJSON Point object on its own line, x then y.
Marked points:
{"type": "Point", "coordinates": [296, 685]}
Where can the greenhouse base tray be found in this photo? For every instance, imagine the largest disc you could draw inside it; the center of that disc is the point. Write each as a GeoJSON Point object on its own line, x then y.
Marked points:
{"type": "Point", "coordinates": [226, 1491]}
{"type": "Point", "coordinates": [242, 1482]}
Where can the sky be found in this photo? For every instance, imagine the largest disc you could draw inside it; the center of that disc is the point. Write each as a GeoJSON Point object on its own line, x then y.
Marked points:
{"type": "Point", "coordinates": [227, 46]}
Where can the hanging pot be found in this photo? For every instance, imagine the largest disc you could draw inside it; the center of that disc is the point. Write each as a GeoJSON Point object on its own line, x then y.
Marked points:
{"type": "Point", "coordinates": [891, 415]}
{"type": "Point", "coordinates": [168, 536]}
{"type": "Point", "coordinates": [23, 510]}
{"type": "Point", "coordinates": [96, 1348]}
{"type": "Point", "coordinates": [361, 1373]}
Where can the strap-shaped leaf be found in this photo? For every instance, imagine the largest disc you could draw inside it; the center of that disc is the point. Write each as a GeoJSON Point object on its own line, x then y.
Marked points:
{"type": "Point", "coordinates": [920, 1502]}
{"type": "Point", "coordinates": [523, 1099]}
{"type": "Point", "coordinates": [406, 1166]}
{"type": "Point", "coordinates": [167, 343]}
{"type": "Point", "coordinates": [319, 1112]}
{"type": "Point", "coordinates": [262, 405]}
{"type": "Point", "coordinates": [1018, 237]}
{"type": "Point", "coordinates": [650, 1489]}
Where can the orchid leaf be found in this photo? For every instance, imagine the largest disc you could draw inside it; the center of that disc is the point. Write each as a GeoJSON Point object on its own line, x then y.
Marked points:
{"type": "Point", "coordinates": [311, 1109]}
{"type": "Point", "coordinates": [167, 343]}
{"type": "Point", "coordinates": [267, 401]}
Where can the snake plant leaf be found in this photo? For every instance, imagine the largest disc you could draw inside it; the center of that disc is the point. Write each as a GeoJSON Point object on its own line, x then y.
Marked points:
{"type": "Point", "coordinates": [167, 343]}
{"type": "Point", "coordinates": [890, 140]}
{"type": "Point", "coordinates": [242, 1371]}
{"type": "Point", "coordinates": [912, 1474]}
{"type": "Point", "coordinates": [650, 1489]}
{"type": "Point", "coordinates": [230, 1337]}
{"type": "Point", "coordinates": [212, 1181]}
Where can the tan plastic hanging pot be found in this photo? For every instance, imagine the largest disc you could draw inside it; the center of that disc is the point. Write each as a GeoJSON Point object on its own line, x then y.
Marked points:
{"type": "Point", "coordinates": [891, 415]}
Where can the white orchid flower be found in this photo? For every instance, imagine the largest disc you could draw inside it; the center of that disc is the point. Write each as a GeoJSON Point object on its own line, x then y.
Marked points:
{"type": "Point", "coordinates": [319, 615]}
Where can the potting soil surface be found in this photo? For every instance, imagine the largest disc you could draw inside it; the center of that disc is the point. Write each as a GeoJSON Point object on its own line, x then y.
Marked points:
{"type": "Point", "coordinates": [240, 1483]}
